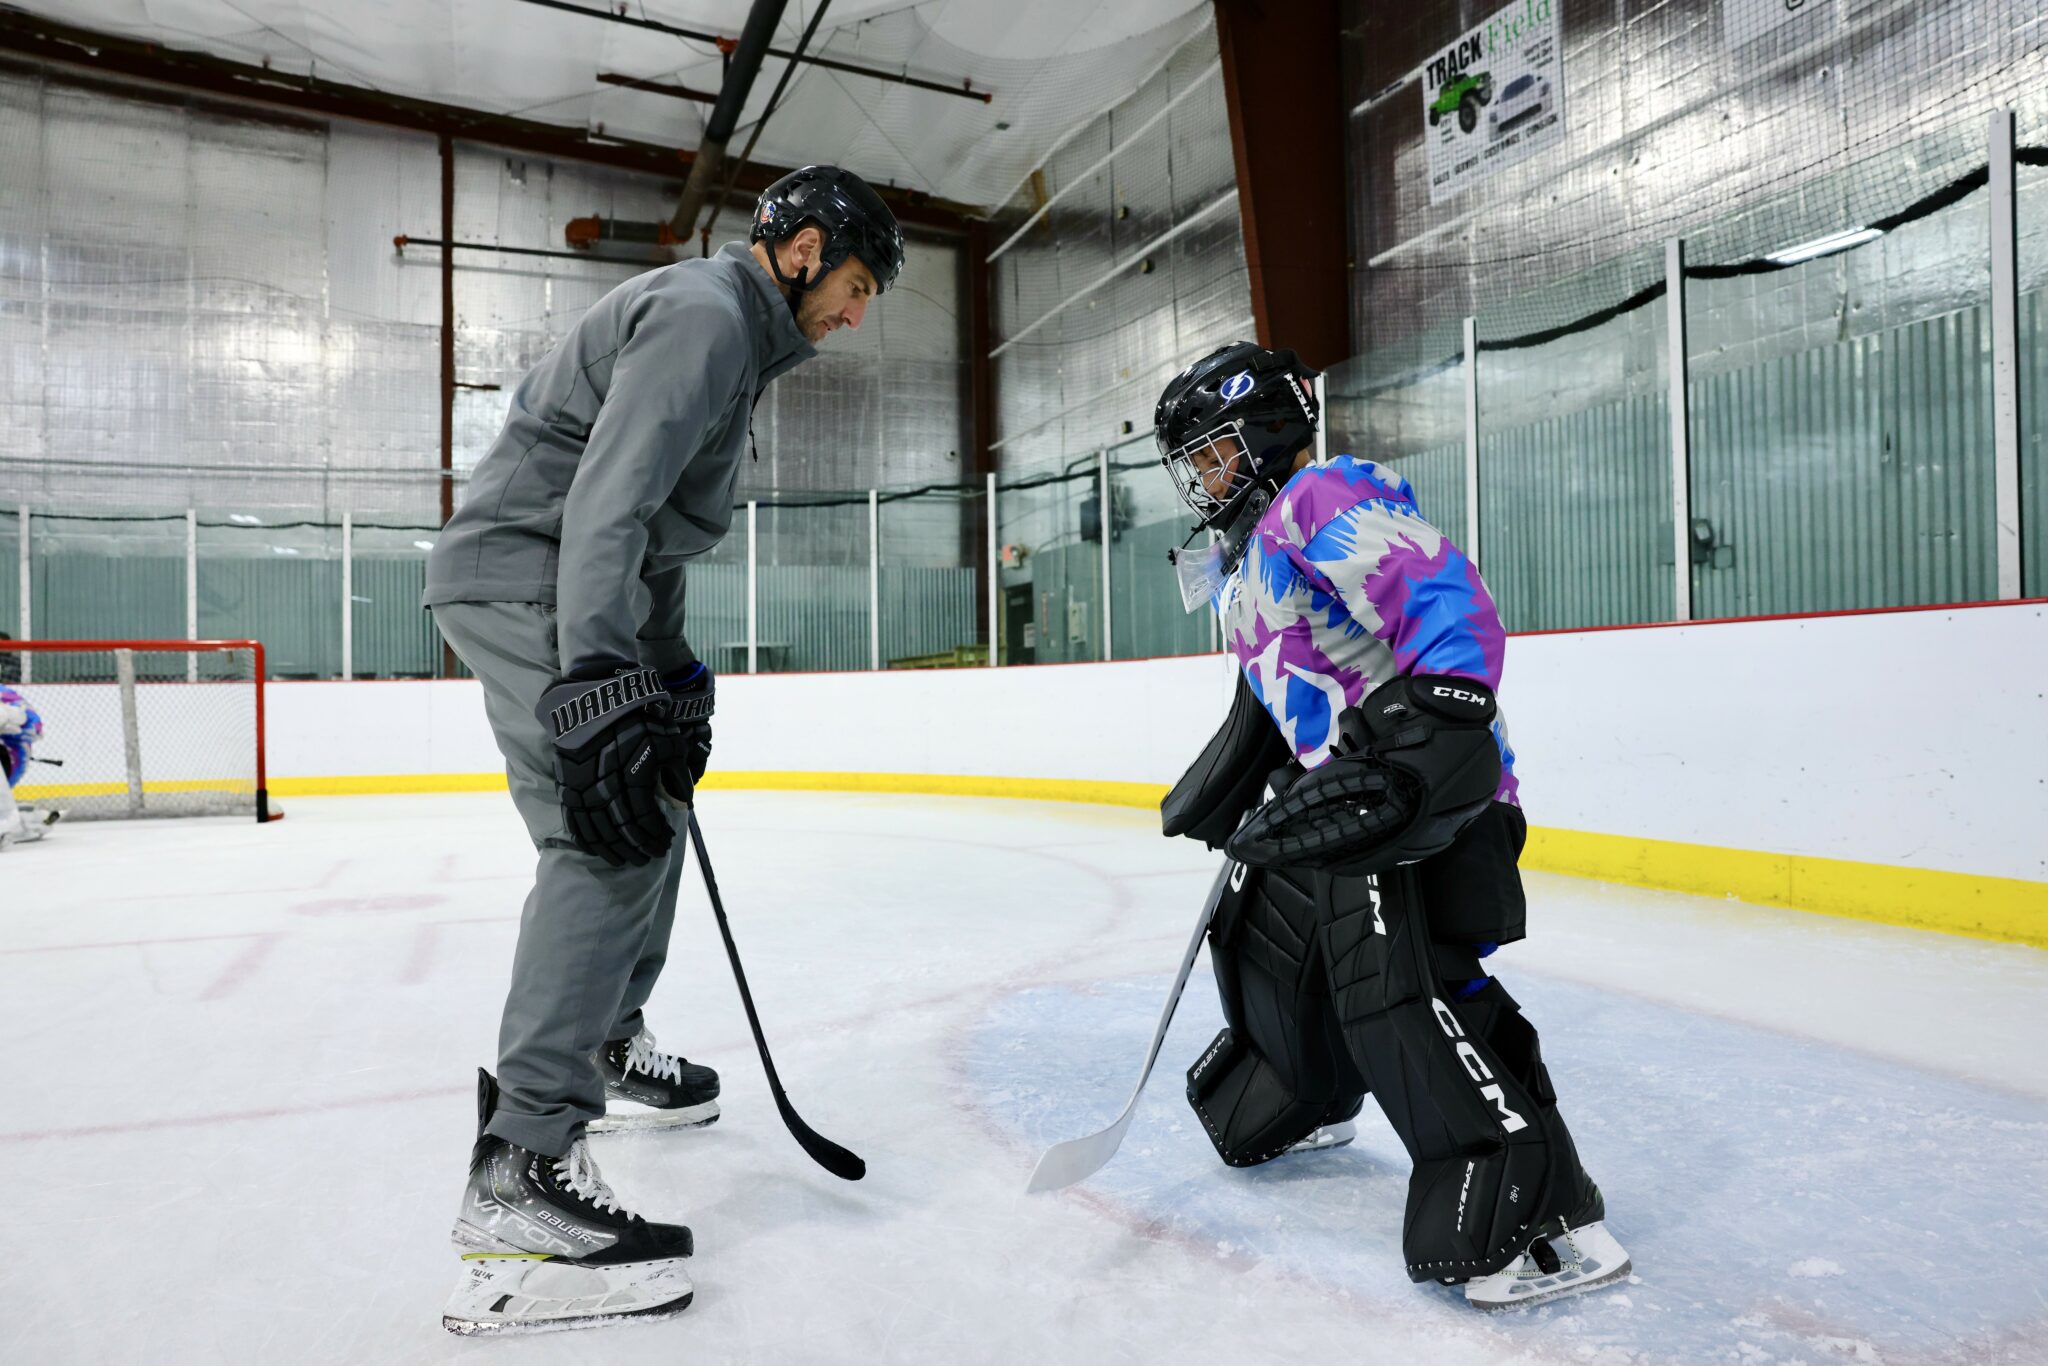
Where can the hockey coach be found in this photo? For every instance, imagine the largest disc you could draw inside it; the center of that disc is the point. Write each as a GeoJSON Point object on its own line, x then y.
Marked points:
{"type": "Point", "coordinates": [560, 583]}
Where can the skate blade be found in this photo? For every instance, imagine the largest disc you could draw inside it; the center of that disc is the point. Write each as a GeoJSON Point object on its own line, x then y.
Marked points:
{"type": "Point", "coordinates": [1336, 1135]}
{"type": "Point", "coordinates": [639, 1119]}
{"type": "Point", "coordinates": [501, 1294]}
{"type": "Point", "coordinates": [1556, 1292]}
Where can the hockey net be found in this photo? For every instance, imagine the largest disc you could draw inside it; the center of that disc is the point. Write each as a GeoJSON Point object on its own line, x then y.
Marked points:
{"type": "Point", "coordinates": [143, 727]}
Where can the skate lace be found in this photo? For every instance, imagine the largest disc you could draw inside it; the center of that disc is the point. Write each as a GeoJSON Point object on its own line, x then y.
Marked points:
{"type": "Point", "coordinates": [577, 1171]}
{"type": "Point", "coordinates": [641, 1056]}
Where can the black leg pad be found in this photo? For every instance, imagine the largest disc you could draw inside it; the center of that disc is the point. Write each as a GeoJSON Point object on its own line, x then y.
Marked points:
{"type": "Point", "coordinates": [1280, 1068]}
{"type": "Point", "coordinates": [1461, 1081]}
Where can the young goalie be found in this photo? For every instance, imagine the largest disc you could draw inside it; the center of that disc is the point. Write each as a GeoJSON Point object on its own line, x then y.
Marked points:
{"type": "Point", "coordinates": [1363, 783]}
{"type": "Point", "coordinates": [20, 729]}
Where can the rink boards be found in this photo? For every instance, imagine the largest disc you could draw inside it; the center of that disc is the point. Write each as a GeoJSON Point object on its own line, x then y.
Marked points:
{"type": "Point", "coordinates": [1881, 765]}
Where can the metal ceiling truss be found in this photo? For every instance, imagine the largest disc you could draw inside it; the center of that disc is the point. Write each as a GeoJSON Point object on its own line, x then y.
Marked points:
{"type": "Point", "coordinates": [963, 89]}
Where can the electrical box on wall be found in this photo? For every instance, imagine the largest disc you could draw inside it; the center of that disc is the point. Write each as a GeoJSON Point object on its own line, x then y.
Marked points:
{"type": "Point", "coordinates": [1091, 514]}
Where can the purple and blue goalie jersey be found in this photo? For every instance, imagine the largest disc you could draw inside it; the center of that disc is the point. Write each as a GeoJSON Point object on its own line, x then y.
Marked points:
{"type": "Point", "coordinates": [20, 728]}
{"type": "Point", "coordinates": [1344, 586]}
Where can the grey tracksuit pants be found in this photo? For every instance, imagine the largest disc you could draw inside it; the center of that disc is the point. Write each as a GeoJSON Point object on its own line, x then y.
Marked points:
{"type": "Point", "coordinates": [593, 938]}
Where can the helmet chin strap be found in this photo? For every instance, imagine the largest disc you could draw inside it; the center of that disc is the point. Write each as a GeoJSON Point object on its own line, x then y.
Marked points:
{"type": "Point", "coordinates": [797, 285]}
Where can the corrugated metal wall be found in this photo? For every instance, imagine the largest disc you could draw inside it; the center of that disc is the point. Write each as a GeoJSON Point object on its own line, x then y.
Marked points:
{"type": "Point", "coordinates": [1438, 477]}
{"type": "Point", "coordinates": [392, 638]}
{"type": "Point", "coordinates": [10, 576]}
{"type": "Point", "coordinates": [1575, 515]}
{"type": "Point", "coordinates": [100, 581]}
{"type": "Point", "coordinates": [930, 586]}
{"type": "Point", "coordinates": [1855, 475]}
{"type": "Point", "coordinates": [927, 610]}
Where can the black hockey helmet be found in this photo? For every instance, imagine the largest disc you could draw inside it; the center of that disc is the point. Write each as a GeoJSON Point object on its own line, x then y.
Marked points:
{"type": "Point", "coordinates": [1265, 399]}
{"type": "Point", "coordinates": [852, 216]}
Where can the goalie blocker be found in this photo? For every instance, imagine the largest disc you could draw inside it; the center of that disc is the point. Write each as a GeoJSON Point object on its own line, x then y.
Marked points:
{"type": "Point", "coordinates": [1338, 984]}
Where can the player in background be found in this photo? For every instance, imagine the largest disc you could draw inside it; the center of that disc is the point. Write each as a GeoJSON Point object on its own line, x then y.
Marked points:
{"type": "Point", "coordinates": [560, 583]}
{"type": "Point", "coordinates": [1364, 783]}
{"type": "Point", "coordinates": [20, 728]}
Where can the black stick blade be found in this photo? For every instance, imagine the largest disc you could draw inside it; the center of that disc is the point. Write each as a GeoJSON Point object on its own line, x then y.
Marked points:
{"type": "Point", "coordinates": [847, 1166]}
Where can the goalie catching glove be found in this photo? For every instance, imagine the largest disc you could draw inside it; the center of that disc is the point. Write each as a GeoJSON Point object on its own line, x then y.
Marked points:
{"type": "Point", "coordinates": [623, 745]}
{"type": "Point", "coordinates": [1414, 764]}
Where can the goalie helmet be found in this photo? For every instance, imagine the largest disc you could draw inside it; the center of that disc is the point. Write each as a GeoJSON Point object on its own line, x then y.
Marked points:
{"type": "Point", "coordinates": [846, 209]}
{"type": "Point", "coordinates": [1233, 422]}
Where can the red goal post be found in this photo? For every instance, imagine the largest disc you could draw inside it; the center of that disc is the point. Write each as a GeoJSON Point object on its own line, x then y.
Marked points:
{"type": "Point", "coordinates": [137, 728]}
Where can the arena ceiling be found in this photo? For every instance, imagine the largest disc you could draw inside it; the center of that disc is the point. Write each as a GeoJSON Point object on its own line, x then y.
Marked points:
{"type": "Point", "coordinates": [1047, 65]}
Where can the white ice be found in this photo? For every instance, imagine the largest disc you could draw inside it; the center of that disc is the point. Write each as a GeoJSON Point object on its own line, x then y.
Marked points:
{"type": "Point", "coordinates": [236, 1106]}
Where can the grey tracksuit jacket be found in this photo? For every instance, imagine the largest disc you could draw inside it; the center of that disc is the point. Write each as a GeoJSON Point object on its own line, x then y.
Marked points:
{"type": "Point", "coordinates": [616, 466]}
{"type": "Point", "coordinates": [618, 461]}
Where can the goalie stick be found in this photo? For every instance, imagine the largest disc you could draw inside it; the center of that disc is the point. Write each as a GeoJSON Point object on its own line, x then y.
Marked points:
{"type": "Point", "coordinates": [827, 1154]}
{"type": "Point", "coordinates": [1077, 1159]}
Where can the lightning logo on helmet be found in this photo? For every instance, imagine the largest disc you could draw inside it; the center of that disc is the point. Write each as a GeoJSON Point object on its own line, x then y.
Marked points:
{"type": "Point", "coordinates": [1236, 387]}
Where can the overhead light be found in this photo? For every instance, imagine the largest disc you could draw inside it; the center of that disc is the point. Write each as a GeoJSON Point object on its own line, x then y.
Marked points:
{"type": "Point", "coordinates": [244, 519]}
{"type": "Point", "coordinates": [285, 549]}
{"type": "Point", "coordinates": [423, 545]}
{"type": "Point", "coordinates": [1825, 246]}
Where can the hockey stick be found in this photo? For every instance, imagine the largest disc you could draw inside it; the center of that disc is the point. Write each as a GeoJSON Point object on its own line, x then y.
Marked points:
{"type": "Point", "coordinates": [1077, 1159]}
{"type": "Point", "coordinates": [827, 1154]}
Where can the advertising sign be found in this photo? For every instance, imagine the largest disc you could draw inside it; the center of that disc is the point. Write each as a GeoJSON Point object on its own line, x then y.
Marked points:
{"type": "Point", "coordinates": [1493, 98]}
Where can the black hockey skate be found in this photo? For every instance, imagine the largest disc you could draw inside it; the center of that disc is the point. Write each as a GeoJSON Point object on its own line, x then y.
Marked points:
{"type": "Point", "coordinates": [545, 1244]}
{"type": "Point", "coordinates": [645, 1088]}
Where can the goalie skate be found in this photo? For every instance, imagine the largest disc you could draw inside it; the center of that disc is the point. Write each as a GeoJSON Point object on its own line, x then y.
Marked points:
{"type": "Point", "coordinates": [1571, 1263]}
{"type": "Point", "coordinates": [1335, 1135]}
{"type": "Point", "coordinates": [26, 825]}
{"type": "Point", "coordinates": [1338, 1129]}
{"type": "Point", "coordinates": [645, 1088]}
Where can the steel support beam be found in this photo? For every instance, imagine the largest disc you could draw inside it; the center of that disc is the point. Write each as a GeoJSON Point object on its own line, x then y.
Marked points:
{"type": "Point", "coordinates": [767, 113]}
{"type": "Point", "coordinates": [740, 72]}
{"type": "Point", "coordinates": [1290, 169]}
{"type": "Point", "coordinates": [404, 240]}
{"type": "Point", "coordinates": [965, 89]}
{"type": "Point", "coordinates": [673, 91]}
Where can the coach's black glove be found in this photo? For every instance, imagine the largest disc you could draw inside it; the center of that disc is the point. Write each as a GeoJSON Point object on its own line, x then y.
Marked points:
{"type": "Point", "coordinates": [694, 692]}
{"type": "Point", "coordinates": [617, 746]}
{"type": "Point", "coordinates": [1414, 764]}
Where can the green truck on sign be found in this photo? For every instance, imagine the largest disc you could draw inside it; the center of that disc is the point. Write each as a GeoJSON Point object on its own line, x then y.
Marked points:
{"type": "Point", "coordinates": [1464, 96]}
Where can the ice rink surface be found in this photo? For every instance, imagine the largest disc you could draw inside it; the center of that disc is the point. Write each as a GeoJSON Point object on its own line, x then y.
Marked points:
{"type": "Point", "coordinates": [237, 1099]}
